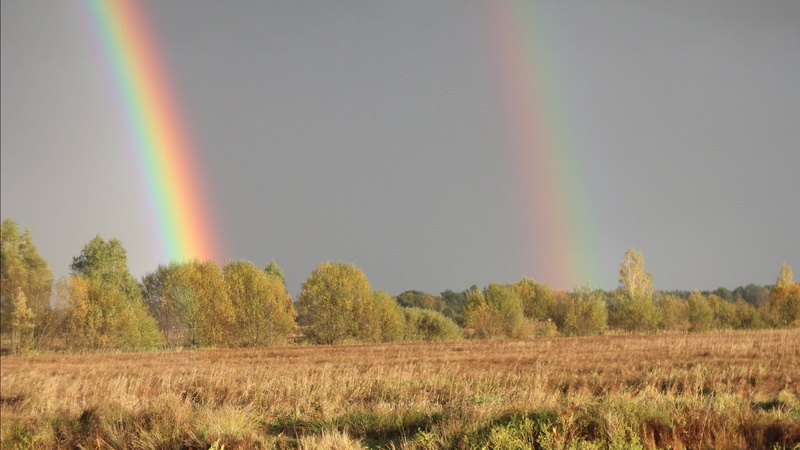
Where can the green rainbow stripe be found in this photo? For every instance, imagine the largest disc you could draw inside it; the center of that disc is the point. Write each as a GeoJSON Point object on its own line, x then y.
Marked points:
{"type": "Point", "coordinates": [155, 126]}
{"type": "Point", "coordinates": [552, 191]}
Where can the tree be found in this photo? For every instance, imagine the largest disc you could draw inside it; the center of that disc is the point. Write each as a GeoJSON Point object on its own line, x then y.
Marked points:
{"type": "Point", "coordinates": [495, 312]}
{"type": "Point", "coordinates": [785, 279]}
{"type": "Point", "coordinates": [264, 311]}
{"type": "Point", "coordinates": [674, 314]}
{"type": "Point", "coordinates": [101, 317]}
{"type": "Point", "coordinates": [633, 280]}
{"type": "Point", "coordinates": [700, 313]}
{"type": "Point", "coordinates": [784, 300]}
{"type": "Point", "coordinates": [332, 301]}
{"type": "Point", "coordinates": [192, 304]}
{"type": "Point", "coordinates": [22, 324]}
{"type": "Point", "coordinates": [273, 269]}
{"type": "Point", "coordinates": [454, 305]}
{"type": "Point", "coordinates": [633, 308]}
{"type": "Point", "coordinates": [106, 304]}
{"type": "Point", "coordinates": [538, 300]}
{"type": "Point", "coordinates": [725, 314]}
{"type": "Point", "coordinates": [391, 320]}
{"type": "Point", "coordinates": [587, 314]}
{"type": "Point", "coordinates": [23, 272]}
{"type": "Point", "coordinates": [419, 299]}
{"type": "Point", "coordinates": [108, 263]}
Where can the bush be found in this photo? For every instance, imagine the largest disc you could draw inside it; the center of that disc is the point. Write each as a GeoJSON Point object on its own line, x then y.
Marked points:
{"type": "Point", "coordinates": [427, 325]}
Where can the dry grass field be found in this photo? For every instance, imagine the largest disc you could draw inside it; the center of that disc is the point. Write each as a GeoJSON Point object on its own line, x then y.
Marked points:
{"type": "Point", "coordinates": [715, 390]}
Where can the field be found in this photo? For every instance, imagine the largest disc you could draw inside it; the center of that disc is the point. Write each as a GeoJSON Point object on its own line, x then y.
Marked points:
{"type": "Point", "coordinates": [715, 390]}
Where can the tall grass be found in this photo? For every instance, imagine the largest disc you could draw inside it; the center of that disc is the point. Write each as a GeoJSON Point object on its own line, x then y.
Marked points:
{"type": "Point", "coordinates": [717, 390]}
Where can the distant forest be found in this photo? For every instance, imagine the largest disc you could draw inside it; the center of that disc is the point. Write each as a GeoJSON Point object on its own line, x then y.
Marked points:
{"type": "Point", "coordinates": [100, 306]}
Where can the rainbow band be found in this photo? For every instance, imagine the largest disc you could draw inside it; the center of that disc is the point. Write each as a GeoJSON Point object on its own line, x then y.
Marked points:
{"type": "Point", "coordinates": [158, 137]}
{"type": "Point", "coordinates": [555, 201]}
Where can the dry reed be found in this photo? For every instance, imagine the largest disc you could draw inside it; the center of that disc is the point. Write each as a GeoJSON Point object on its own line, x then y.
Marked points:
{"type": "Point", "coordinates": [714, 390]}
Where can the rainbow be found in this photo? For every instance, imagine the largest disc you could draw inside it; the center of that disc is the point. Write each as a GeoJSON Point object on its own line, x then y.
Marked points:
{"type": "Point", "coordinates": [555, 210]}
{"type": "Point", "coordinates": [161, 146]}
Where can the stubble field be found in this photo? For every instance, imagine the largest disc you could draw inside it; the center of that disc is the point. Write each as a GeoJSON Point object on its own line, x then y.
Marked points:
{"type": "Point", "coordinates": [715, 390]}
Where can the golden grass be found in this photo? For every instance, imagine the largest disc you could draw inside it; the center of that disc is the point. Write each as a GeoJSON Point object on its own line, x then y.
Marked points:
{"type": "Point", "coordinates": [715, 390]}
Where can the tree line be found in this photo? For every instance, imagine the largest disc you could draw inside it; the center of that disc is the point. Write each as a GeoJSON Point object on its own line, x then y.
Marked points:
{"type": "Point", "coordinates": [101, 306]}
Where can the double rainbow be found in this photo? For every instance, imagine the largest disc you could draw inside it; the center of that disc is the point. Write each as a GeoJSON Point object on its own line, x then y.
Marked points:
{"type": "Point", "coordinates": [162, 148]}
{"type": "Point", "coordinates": [552, 192]}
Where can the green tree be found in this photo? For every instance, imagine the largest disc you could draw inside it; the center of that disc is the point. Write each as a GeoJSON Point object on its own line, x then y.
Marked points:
{"type": "Point", "coordinates": [23, 271]}
{"type": "Point", "coordinates": [274, 269]}
{"type": "Point", "coordinates": [108, 263]}
{"type": "Point", "coordinates": [455, 303]}
{"type": "Point", "coordinates": [419, 299]}
{"type": "Point", "coordinates": [332, 301]}
{"type": "Point", "coordinates": [265, 313]}
{"type": "Point", "coordinates": [701, 315]}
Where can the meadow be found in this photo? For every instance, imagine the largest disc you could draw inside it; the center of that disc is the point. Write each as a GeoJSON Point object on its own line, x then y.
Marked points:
{"type": "Point", "coordinates": [713, 390]}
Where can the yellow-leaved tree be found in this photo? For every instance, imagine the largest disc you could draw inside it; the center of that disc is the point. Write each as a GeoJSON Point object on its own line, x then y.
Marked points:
{"type": "Point", "coordinates": [784, 299]}
{"type": "Point", "coordinates": [265, 313]}
{"type": "Point", "coordinates": [336, 305]}
{"type": "Point", "coordinates": [496, 312]}
{"type": "Point", "coordinates": [191, 303]}
{"type": "Point", "coordinates": [106, 310]}
{"type": "Point", "coordinates": [633, 307]}
{"type": "Point", "coordinates": [25, 284]}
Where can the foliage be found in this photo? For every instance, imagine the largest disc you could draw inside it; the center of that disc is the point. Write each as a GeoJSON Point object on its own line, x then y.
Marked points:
{"type": "Point", "coordinates": [450, 303]}
{"type": "Point", "coordinates": [191, 303]}
{"type": "Point", "coordinates": [725, 314]}
{"type": "Point", "coordinates": [106, 309]}
{"type": "Point", "coordinates": [21, 319]}
{"type": "Point", "coordinates": [633, 307]}
{"type": "Point", "coordinates": [633, 280]}
{"type": "Point", "coordinates": [674, 314]}
{"type": "Point", "coordinates": [275, 270]}
{"type": "Point", "coordinates": [108, 263]}
{"type": "Point", "coordinates": [455, 301]}
{"type": "Point", "coordinates": [496, 312]}
{"type": "Point", "coordinates": [587, 314]}
{"type": "Point", "coordinates": [430, 326]}
{"type": "Point", "coordinates": [785, 279]}
{"type": "Point", "coordinates": [700, 313]}
{"type": "Point", "coordinates": [391, 320]}
{"type": "Point", "coordinates": [336, 304]}
{"type": "Point", "coordinates": [538, 300]}
{"type": "Point", "coordinates": [24, 274]}
{"type": "Point", "coordinates": [101, 317]}
{"type": "Point", "coordinates": [784, 300]}
{"type": "Point", "coordinates": [265, 313]}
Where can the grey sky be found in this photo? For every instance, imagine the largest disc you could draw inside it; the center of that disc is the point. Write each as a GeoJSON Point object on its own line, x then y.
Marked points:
{"type": "Point", "coordinates": [372, 132]}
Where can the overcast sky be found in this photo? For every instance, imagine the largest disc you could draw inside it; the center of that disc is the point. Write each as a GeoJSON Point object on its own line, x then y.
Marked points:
{"type": "Point", "coordinates": [373, 132]}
